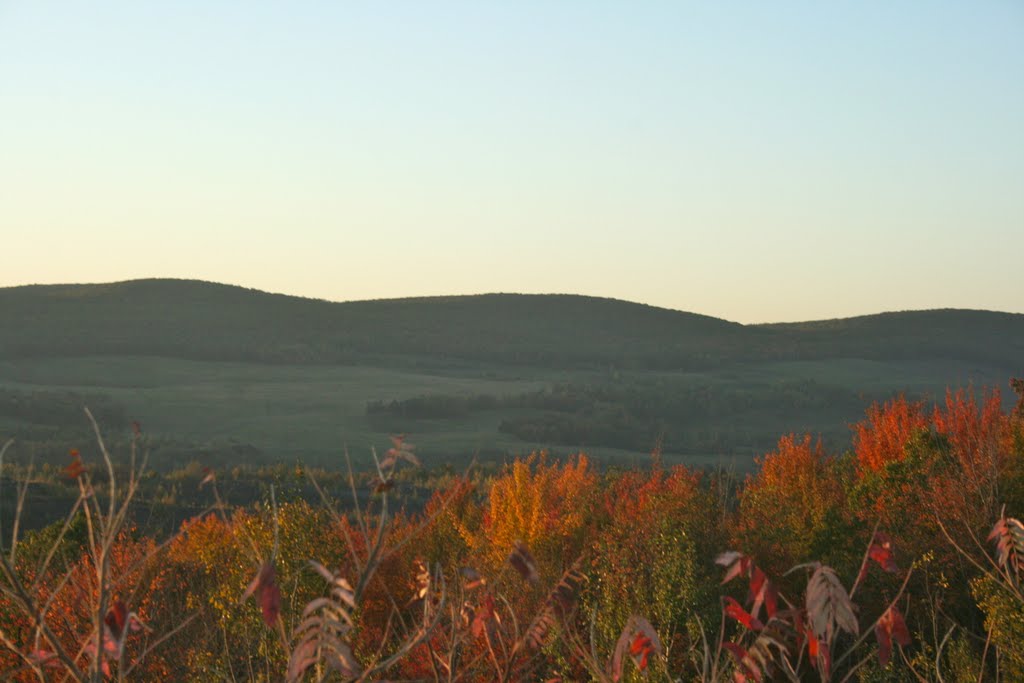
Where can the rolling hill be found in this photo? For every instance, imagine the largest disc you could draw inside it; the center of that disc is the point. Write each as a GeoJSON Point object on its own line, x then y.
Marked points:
{"type": "Point", "coordinates": [206, 321]}
{"type": "Point", "coordinates": [223, 373]}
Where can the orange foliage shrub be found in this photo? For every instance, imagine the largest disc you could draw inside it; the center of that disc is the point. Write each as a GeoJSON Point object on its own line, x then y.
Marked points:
{"type": "Point", "coordinates": [788, 507]}
{"type": "Point", "coordinates": [544, 505]}
{"type": "Point", "coordinates": [934, 477]}
{"type": "Point", "coordinates": [967, 493]}
{"type": "Point", "coordinates": [658, 530]}
{"type": "Point", "coordinates": [70, 591]}
{"type": "Point", "coordinates": [882, 437]}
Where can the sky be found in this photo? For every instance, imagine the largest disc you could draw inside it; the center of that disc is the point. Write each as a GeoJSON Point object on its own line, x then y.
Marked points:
{"type": "Point", "coordinates": [755, 161]}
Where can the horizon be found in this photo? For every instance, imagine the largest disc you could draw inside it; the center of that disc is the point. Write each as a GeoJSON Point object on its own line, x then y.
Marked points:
{"type": "Point", "coordinates": [753, 163]}
{"type": "Point", "coordinates": [497, 293]}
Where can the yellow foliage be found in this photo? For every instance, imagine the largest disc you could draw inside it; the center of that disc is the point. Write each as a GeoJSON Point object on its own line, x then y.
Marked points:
{"type": "Point", "coordinates": [545, 505]}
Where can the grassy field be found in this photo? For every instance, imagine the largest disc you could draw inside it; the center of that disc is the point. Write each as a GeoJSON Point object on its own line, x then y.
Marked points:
{"type": "Point", "coordinates": [312, 413]}
{"type": "Point", "coordinates": [287, 412]}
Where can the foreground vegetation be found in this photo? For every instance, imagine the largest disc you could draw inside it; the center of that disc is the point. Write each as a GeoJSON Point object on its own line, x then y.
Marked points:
{"type": "Point", "coordinates": [899, 560]}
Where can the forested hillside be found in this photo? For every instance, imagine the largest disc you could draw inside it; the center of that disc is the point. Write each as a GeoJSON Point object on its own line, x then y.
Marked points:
{"type": "Point", "coordinates": [206, 321]}
{"type": "Point", "coordinates": [214, 372]}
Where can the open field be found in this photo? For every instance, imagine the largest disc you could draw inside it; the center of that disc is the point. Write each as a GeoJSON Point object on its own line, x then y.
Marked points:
{"type": "Point", "coordinates": [303, 413]}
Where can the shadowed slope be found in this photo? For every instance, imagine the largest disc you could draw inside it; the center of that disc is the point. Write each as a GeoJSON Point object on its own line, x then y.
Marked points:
{"type": "Point", "coordinates": [200, 320]}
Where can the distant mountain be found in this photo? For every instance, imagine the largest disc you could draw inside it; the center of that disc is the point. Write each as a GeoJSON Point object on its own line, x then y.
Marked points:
{"type": "Point", "coordinates": [207, 321]}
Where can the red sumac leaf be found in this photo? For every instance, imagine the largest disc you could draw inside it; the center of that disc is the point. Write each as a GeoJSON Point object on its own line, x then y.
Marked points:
{"type": "Point", "coordinates": [735, 610]}
{"type": "Point", "coordinates": [881, 552]}
{"type": "Point", "coordinates": [265, 583]}
{"type": "Point", "coordinates": [771, 600]}
{"type": "Point", "coordinates": [74, 470]}
{"type": "Point", "coordinates": [812, 644]}
{"type": "Point", "coordinates": [890, 627]}
{"type": "Point", "coordinates": [116, 618]}
{"type": "Point", "coordinates": [640, 641]}
{"type": "Point", "coordinates": [761, 590]}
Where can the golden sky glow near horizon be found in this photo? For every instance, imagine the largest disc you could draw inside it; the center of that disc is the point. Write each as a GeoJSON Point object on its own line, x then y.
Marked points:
{"type": "Point", "coordinates": [751, 161]}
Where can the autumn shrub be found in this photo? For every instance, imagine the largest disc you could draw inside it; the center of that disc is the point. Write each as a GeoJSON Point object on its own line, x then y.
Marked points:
{"type": "Point", "coordinates": [544, 504]}
{"type": "Point", "coordinates": [872, 566]}
{"type": "Point", "coordinates": [211, 563]}
{"type": "Point", "coordinates": [660, 529]}
{"type": "Point", "coordinates": [83, 616]}
{"type": "Point", "coordinates": [794, 507]}
{"type": "Point", "coordinates": [456, 515]}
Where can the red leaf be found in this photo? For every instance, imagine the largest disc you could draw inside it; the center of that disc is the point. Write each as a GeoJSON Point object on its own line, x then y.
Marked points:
{"type": "Point", "coordinates": [890, 626]}
{"type": "Point", "coordinates": [639, 644]}
{"type": "Point", "coordinates": [116, 619]}
{"type": "Point", "coordinates": [640, 640]}
{"type": "Point", "coordinates": [900, 632]}
{"type": "Point", "coordinates": [270, 603]}
{"type": "Point", "coordinates": [812, 644]}
{"type": "Point", "coordinates": [771, 600]}
{"type": "Point", "coordinates": [117, 624]}
{"type": "Point", "coordinates": [640, 650]}
{"type": "Point", "coordinates": [75, 468]}
{"type": "Point", "coordinates": [820, 657]}
{"type": "Point", "coordinates": [884, 644]}
{"type": "Point", "coordinates": [881, 552]}
{"type": "Point", "coordinates": [265, 582]}
{"type": "Point", "coordinates": [735, 610]}
{"type": "Point", "coordinates": [757, 579]}
{"type": "Point", "coordinates": [758, 589]}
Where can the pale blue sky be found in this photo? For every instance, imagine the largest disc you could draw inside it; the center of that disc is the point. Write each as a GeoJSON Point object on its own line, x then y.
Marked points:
{"type": "Point", "coordinates": [757, 161]}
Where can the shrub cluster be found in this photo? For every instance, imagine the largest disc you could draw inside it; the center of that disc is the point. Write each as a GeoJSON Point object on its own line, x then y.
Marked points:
{"type": "Point", "coordinates": [898, 560]}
